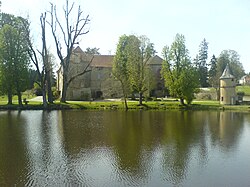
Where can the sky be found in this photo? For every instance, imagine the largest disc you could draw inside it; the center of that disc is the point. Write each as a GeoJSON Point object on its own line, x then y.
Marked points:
{"type": "Point", "coordinates": [225, 24]}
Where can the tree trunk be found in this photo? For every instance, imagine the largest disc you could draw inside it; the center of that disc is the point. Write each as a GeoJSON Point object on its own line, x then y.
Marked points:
{"type": "Point", "coordinates": [50, 94]}
{"type": "Point", "coordinates": [125, 102]}
{"type": "Point", "coordinates": [140, 98]}
{"type": "Point", "coordinates": [124, 96]}
{"type": "Point", "coordinates": [19, 95]}
{"type": "Point", "coordinates": [9, 98]}
{"type": "Point", "coordinates": [45, 104]}
{"type": "Point", "coordinates": [182, 101]}
{"type": "Point", "coordinates": [64, 90]}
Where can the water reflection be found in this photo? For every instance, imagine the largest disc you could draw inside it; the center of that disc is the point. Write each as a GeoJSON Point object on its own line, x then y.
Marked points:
{"type": "Point", "coordinates": [12, 148]}
{"type": "Point", "coordinates": [144, 148]}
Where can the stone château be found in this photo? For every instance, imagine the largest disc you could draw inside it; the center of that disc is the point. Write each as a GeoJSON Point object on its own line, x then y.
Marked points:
{"type": "Point", "coordinates": [95, 83]}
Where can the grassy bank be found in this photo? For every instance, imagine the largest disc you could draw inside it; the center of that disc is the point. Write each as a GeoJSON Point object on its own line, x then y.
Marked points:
{"type": "Point", "coordinates": [119, 105]}
{"type": "Point", "coordinates": [166, 104]}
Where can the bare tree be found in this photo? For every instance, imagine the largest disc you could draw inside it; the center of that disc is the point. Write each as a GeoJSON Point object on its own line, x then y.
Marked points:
{"type": "Point", "coordinates": [45, 57]}
{"type": "Point", "coordinates": [70, 33]}
{"type": "Point", "coordinates": [44, 70]}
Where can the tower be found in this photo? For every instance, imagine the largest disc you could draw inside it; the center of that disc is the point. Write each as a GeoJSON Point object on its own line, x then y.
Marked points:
{"type": "Point", "coordinates": [227, 88]}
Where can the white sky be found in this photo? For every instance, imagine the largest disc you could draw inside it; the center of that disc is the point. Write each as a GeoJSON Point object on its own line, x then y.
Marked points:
{"type": "Point", "coordinates": [224, 23]}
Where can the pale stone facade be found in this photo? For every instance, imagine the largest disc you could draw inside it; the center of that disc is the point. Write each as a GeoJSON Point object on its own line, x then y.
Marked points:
{"type": "Point", "coordinates": [92, 84]}
{"type": "Point", "coordinates": [227, 88]}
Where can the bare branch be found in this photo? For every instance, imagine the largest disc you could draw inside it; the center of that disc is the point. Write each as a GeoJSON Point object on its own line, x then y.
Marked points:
{"type": "Point", "coordinates": [83, 72]}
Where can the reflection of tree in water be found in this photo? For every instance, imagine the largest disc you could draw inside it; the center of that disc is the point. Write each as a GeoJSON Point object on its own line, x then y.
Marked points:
{"type": "Point", "coordinates": [132, 137]}
{"type": "Point", "coordinates": [184, 132]}
{"type": "Point", "coordinates": [82, 130]}
{"type": "Point", "coordinates": [12, 149]}
{"type": "Point", "coordinates": [135, 137]}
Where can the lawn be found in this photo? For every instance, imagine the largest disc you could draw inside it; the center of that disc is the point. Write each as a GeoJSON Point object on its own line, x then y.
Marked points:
{"type": "Point", "coordinates": [166, 104]}
{"type": "Point", "coordinates": [245, 89]}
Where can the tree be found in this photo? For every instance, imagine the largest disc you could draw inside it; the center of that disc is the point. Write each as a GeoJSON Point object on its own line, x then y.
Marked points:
{"type": "Point", "coordinates": [120, 66]}
{"type": "Point", "coordinates": [41, 66]}
{"type": "Point", "coordinates": [201, 63]}
{"type": "Point", "coordinates": [180, 76]}
{"type": "Point", "coordinates": [214, 76]}
{"type": "Point", "coordinates": [46, 58]}
{"type": "Point", "coordinates": [231, 58]}
{"type": "Point", "coordinates": [70, 33]}
{"type": "Point", "coordinates": [14, 55]}
{"type": "Point", "coordinates": [93, 51]}
{"type": "Point", "coordinates": [139, 53]}
{"type": "Point", "coordinates": [212, 73]}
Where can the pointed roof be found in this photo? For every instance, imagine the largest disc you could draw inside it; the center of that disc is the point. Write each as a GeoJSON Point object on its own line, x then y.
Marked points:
{"type": "Point", "coordinates": [77, 50]}
{"type": "Point", "coordinates": [226, 73]}
{"type": "Point", "coordinates": [156, 60]}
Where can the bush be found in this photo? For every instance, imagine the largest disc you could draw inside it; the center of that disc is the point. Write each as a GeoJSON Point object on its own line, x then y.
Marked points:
{"type": "Point", "coordinates": [85, 97]}
{"type": "Point", "coordinates": [37, 90]}
{"type": "Point", "coordinates": [56, 93]}
{"type": "Point", "coordinates": [241, 93]}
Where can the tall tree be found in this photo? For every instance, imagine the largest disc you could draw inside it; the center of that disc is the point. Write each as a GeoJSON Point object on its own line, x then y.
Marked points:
{"type": "Point", "coordinates": [46, 60]}
{"type": "Point", "coordinates": [201, 63]}
{"type": "Point", "coordinates": [70, 31]}
{"type": "Point", "coordinates": [212, 73]}
{"type": "Point", "coordinates": [231, 58]}
{"type": "Point", "coordinates": [14, 55]}
{"type": "Point", "coordinates": [120, 66]}
{"type": "Point", "coordinates": [180, 76]}
{"type": "Point", "coordinates": [34, 55]}
{"type": "Point", "coordinates": [214, 76]}
{"type": "Point", "coordinates": [139, 53]}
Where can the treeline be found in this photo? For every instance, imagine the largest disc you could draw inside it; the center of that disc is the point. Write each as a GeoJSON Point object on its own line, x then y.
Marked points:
{"type": "Point", "coordinates": [20, 58]}
{"type": "Point", "coordinates": [181, 74]}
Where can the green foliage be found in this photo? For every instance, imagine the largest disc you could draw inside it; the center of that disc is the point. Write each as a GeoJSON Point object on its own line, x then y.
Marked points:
{"type": "Point", "coordinates": [180, 76]}
{"type": "Point", "coordinates": [243, 89]}
{"type": "Point", "coordinates": [130, 64]}
{"type": "Point", "coordinates": [14, 60]}
{"type": "Point", "coordinates": [201, 63]}
{"type": "Point", "coordinates": [213, 75]}
{"type": "Point", "coordinates": [231, 58]}
{"type": "Point", "coordinates": [140, 74]}
{"type": "Point", "coordinates": [37, 90]}
{"type": "Point", "coordinates": [120, 67]}
{"type": "Point", "coordinates": [92, 51]}
{"type": "Point", "coordinates": [56, 93]}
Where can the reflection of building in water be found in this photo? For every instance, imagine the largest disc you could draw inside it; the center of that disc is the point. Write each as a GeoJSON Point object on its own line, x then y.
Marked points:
{"type": "Point", "coordinates": [229, 129]}
{"type": "Point", "coordinates": [227, 88]}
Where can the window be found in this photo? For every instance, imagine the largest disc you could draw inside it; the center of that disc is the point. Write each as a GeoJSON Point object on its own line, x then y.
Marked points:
{"type": "Point", "coordinates": [221, 98]}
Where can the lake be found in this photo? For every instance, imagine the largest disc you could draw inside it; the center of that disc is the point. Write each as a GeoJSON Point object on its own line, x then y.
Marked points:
{"type": "Point", "coordinates": [117, 148]}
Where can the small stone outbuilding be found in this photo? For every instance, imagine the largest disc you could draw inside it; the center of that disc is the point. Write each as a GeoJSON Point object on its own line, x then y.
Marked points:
{"type": "Point", "coordinates": [228, 94]}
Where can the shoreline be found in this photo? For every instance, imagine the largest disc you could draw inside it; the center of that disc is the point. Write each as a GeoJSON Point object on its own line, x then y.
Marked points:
{"type": "Point", "coordinates": [132, 105]}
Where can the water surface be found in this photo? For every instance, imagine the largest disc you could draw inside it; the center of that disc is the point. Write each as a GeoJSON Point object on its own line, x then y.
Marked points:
{"type": "Point", "coordinates": [116, 148]}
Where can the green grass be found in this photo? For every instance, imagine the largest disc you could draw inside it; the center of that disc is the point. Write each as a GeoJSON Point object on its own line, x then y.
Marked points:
{"type": "Point", "coordinates": [169, 104]}
{"type": "Point", "coordinates": [245, 89]}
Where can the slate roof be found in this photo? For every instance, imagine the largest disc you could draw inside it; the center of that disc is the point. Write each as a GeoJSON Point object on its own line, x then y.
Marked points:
{"type": "Point", "coordinates": [78, 50]}
{"type": "Point", "coordinates": [107, 60]}
{"type": "Point", "coordinates": [226, 73]}
{"type": "Point", "coordinates": [156, 60]}
{"type": "Point", "coordinates": [102, 61]}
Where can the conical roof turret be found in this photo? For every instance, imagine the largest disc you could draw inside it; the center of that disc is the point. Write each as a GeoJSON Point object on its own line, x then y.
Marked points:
{"type": "Point", "coordinates": [226, 73]}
